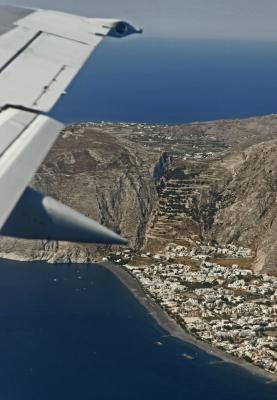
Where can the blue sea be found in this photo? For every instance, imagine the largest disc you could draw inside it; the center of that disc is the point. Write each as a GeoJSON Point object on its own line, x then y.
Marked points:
{"type": "Point", "coordinates": [173, 81]}
{"type": "Point", "coordinates": [75, 332]}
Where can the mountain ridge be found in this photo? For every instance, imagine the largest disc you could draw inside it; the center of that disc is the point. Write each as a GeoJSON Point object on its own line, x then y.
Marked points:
{"type": "Point", "coordinates": [213, 182]}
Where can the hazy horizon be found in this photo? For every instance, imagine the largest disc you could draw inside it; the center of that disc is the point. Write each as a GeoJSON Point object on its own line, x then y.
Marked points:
{"type": "Point", "coordinates": [173, 81]}
{"type": "Point", "coordinates": [240, 19]}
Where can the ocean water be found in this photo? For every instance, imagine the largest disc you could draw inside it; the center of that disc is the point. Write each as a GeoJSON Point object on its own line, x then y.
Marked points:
{"type": "Point", "coordinates": [173, 81]}
{"type": "Point", "coordinates": [75, 332]}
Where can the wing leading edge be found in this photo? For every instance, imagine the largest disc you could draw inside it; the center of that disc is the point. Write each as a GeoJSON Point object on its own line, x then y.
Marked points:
{"type": "Point", "coordinates": [40, 54]}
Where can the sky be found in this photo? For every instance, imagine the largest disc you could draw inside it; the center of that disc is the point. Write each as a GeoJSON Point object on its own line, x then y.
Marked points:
{"type": "Point", "coordinates": [220, 19]}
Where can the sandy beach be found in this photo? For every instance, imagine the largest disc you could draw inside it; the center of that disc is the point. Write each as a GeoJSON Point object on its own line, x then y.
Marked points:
{"type": "Point", "coordinates": [173, 329]}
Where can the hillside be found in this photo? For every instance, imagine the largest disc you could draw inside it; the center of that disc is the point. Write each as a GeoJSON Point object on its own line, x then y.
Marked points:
{"type": "Point", "coordinates": [106, 179]}
{"type": "Point", "coordinates": [213, 182]}
{"type": "Point", "coordinates": [248, 203]}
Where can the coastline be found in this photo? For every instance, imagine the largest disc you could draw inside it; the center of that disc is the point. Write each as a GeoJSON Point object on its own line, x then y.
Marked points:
{"type": "Point", "coordinates": [175, 330]}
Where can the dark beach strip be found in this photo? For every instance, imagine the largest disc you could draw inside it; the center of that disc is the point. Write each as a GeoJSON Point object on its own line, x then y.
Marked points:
{"type": "Point", "coordinates": [171, 326]}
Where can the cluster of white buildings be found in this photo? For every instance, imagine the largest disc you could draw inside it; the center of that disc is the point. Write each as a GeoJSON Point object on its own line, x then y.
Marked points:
{"type": "Point", "coordinates": [198, 156]}
{"type": "Point", "coordinates": [203, 252]}
{"type": "Point", "coordinates": [232, 308]}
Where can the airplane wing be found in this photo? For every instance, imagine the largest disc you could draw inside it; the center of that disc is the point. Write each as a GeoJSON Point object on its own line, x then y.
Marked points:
{"type": "Point", "coordinates": [41, 52]}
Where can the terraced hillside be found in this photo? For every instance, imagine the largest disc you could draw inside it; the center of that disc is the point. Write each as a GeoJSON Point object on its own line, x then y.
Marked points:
{"type": "Point", "coordinates": [181, 215]}
{"type": "Point", "coordinates": [201, 183]}
{"type": "Point", "coordinates": [220, 186]}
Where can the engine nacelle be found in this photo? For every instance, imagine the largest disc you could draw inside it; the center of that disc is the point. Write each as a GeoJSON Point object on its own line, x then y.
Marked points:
{"type": "Point", "coordinates": [122, 29]}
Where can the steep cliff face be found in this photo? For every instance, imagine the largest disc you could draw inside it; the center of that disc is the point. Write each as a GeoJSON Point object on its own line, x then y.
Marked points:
{"type": "Point", "coordinates": [208, 182]}
{"type": "Point", "coordinates": [105, 177]}
{"type": "Point", "coordinates": [247, 210]}
{"type": "Point", "coordinates": [225, 193]}
{"type": "Point", "coordinates": [162, 166]}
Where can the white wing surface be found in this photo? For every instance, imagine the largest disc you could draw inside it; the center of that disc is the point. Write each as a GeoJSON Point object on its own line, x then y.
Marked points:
{"type": "Point", "coordinates": [41, 51]}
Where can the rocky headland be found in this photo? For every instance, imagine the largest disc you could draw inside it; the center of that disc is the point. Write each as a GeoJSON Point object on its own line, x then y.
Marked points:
{"type": "Point", "coordinates": [211, 183]}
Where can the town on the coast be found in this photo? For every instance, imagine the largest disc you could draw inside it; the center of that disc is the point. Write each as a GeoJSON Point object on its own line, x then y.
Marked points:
{"type": "Point", "coordinates": [229, 307]}
{"type": "Point", "coordinates": [211, 288]}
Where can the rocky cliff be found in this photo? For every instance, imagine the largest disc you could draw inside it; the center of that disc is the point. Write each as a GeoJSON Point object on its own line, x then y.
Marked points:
{"type": "Point", "coordinates": [221, 187]}
{"type": "Point", "coordinates": [247, 206]}
{"type": "Point", "coordinates": [197, 183]}
{"type": "Point", "coordinates": [106, 178]}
